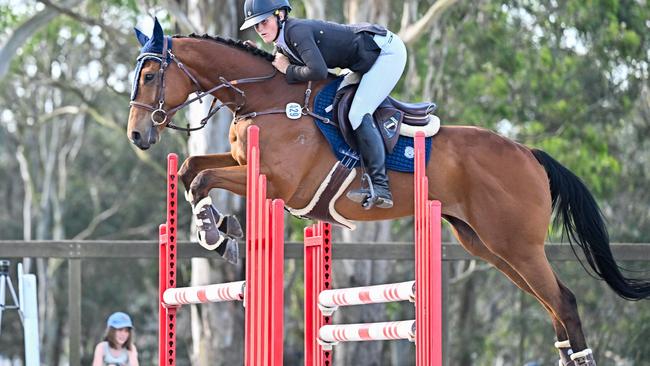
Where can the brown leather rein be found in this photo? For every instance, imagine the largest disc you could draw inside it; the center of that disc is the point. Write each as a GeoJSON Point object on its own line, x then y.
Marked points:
{"type": "Point", "coordinates": [159, 115]}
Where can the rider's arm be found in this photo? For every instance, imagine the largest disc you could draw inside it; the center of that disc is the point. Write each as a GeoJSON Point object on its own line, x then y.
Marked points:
{"type": "Point", "coordinates": [315, 67]}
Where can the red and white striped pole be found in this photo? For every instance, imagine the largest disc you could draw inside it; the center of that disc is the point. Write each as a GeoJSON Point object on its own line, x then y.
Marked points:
{"type": "Point", "coordinates": [333, 334]}
{"type": "Point", "coordinates": [330, 300]}
{"type": "Point", "coordinates": [233, 291]}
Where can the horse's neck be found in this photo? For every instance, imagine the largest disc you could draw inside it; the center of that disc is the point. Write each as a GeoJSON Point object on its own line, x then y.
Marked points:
{"type": "Point", "coordinates": [210, 60]}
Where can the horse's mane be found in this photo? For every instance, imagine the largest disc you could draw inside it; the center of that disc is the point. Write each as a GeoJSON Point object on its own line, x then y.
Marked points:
{"type": "Point", "coordinates": [233, 43]}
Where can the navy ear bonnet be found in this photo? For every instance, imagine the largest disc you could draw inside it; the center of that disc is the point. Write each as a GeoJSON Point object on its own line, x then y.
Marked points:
{"type": "Point", "coordinates": [152, 48]}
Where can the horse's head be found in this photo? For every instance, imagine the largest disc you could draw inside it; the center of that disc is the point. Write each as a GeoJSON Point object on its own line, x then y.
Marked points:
{"type": "Point", "coordinates": [159, 87]}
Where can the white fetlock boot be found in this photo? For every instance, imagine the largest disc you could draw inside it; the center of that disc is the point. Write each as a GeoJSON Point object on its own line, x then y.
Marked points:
{"type": "Point", "coordinates": [564, 347]}
{"type": "Point", "coordinates": [208, 220]}
{"type": "Point", "coordinates": [583, 358]}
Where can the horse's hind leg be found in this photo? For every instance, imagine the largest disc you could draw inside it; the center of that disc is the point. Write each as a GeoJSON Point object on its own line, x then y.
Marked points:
{"type": "Point", "coordinates": [473, 244]}
{"type": "Point", "coordinates": [522, 247]}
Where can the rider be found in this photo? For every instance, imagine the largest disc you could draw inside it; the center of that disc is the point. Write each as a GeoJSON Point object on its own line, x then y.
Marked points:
{"type": "Point", "coordinates": [307, 48]}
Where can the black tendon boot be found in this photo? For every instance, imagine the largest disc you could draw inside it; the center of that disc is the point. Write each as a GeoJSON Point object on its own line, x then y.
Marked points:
{"type": "Point", "coordinates": [371, 148]}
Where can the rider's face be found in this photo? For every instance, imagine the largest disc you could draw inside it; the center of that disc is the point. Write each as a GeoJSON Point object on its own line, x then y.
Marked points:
{"type": "Point", "coordinates": [267, 29]}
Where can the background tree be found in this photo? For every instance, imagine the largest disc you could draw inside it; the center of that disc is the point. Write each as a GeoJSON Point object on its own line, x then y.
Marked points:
{"type": "Point", "coordinates": [569, 77]}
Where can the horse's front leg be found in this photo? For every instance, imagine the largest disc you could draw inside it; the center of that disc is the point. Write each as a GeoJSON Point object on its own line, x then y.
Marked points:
{"type": "Point", "coordinates": [193, 165]}
{"type": "Point", "coordinates": [217, 231]}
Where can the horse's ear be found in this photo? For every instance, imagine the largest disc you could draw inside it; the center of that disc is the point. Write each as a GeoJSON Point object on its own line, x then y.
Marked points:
{"type": "Point", "coordinates": [157, 30]}
{"type": "Point", "coordinates": [142, 38]}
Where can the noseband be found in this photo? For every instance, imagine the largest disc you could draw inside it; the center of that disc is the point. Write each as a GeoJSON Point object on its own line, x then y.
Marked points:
{"type": "Point", "coordinates": [159, 116]}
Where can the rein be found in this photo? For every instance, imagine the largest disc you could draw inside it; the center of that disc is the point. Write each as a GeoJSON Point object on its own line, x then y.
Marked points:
{"type": "Point", "coordinates": [159, 115]}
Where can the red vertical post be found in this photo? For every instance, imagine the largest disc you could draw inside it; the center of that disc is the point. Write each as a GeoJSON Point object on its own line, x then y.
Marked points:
{"type": "Point", "coordinates": [172, 205]}
{"type": "Point", "coordinates": [318, 276]}
{"type": "Point", "coordinates": [167, 275]}
{"type": "Point", "coordinates": [264, 298]}
{"type": "Point", "coordinates": [162, 286]}
{"type": "Point", "coordinates": [428, 265]}
{"type": "Point", "coordinates": [435, 275]}
{"type": "Point", "coordinates": [251, 239]}
{"type": "Point", "coordinates": [311, 294]}
{"type": "Point", "coordinates": [277, 283]}
{"type": "Point", "coordinates": [420, 246]}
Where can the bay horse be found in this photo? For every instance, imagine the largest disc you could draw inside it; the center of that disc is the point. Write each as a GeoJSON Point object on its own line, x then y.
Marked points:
{"type": "Point", "coordinates": [497, 194]}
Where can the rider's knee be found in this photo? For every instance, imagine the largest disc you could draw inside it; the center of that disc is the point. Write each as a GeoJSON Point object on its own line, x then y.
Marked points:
{"type": "Point", "coordinates": [356, 115]}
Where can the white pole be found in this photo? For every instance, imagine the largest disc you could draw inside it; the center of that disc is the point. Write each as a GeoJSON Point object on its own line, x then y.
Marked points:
{"type": "Point", "coordinates": [29, 310]}
{"type": "Point", "coordinates": [2, 297]}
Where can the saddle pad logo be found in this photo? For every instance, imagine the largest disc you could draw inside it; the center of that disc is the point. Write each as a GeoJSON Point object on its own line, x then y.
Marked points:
{"type": "Point", "coordinates": [409, 152]}
{"type": "Point", "coordinates": [293, 111]}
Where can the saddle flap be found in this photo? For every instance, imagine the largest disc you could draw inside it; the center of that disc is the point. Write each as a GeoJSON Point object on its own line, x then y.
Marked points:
{"type": "Point", "coordinates": [389, 121]}
{"type": "Point", "coordinates": [342, 102]}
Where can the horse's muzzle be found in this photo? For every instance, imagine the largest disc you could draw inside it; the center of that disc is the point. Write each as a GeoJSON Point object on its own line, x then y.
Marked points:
{"type": "Point", "coordinates": [144, 142]}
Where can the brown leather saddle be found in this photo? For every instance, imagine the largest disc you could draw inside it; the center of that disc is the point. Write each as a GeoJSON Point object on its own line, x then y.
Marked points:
{"type": "Point", "coordinates": [388, 117]}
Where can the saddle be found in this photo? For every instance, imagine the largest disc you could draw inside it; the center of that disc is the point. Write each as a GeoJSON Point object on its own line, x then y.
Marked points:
{"type": "Point", "coordinates": [389, 116]}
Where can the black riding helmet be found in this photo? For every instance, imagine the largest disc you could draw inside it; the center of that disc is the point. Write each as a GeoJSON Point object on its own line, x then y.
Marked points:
{"type": "Point", "coordinates": [257, 10]}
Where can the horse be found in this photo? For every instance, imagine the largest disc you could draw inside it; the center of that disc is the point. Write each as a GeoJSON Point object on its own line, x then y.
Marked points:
{"type": "Point", "coordinates": [498, 195]}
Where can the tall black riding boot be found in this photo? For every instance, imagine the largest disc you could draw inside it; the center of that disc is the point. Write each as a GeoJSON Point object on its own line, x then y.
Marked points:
{"type": "Point", "coordinates": [373, 153]}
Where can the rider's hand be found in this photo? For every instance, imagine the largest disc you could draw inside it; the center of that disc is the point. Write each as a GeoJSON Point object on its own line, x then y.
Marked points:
{"type": "Point", "coordinates": [248, 42]}
{"type": "Point", "coordinates": [281, 62]}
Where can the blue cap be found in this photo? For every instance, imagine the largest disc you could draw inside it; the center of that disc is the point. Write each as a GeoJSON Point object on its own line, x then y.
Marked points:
{"type": "Point", "coordinates": [119, 320]}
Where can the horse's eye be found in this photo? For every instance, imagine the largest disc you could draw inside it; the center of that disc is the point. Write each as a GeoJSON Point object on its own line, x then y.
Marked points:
{"type": "Point", "coordinates": [148, 77]}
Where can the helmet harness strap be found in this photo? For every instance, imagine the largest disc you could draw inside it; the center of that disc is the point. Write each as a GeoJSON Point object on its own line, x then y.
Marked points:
{"type": "Point", "coordinates": [280, 22]}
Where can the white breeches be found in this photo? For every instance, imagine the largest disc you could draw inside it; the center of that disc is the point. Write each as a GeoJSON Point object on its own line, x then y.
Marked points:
{"type": "Point", "coordinates": [379, 81]}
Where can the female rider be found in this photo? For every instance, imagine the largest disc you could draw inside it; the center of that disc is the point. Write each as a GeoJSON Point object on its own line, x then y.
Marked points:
{"type": "Point", "coordinates": [307, 48]}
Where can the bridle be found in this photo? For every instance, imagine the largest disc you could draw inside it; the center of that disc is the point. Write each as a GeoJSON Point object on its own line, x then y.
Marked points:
{"type": "Point", "coordinates": [159, 116]}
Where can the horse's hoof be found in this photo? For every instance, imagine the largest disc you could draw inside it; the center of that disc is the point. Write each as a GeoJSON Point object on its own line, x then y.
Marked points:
{"type": "Point", "coordinates": [583, 358]}
{"type": "Point", "coordinates": [229, 251]}
{"type": "Point", "coordinates": [208, 221]}
{"type": "Point", "coordinates": [211, 239]}
{"type": "Point", "coordinates": [561, 362]}
{"type": "Point", "coordinates": [564, 348]}
{"type": "Point", "coordinates": [231, 227]}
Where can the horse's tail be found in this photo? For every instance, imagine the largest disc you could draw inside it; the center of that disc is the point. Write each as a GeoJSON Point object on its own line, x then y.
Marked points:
{"type": "Point", "coordinates": [583, 223]}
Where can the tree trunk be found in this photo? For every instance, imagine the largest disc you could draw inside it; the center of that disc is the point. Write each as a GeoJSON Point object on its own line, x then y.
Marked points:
{"type": "Point", "coordinates": [413, 32]}
{"type": "Point", "coordinates": [315, 9]}
{"type": "Point", "coordinates": [374, 11]}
